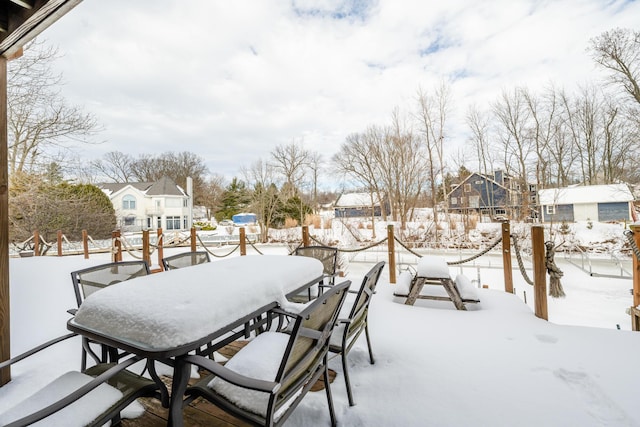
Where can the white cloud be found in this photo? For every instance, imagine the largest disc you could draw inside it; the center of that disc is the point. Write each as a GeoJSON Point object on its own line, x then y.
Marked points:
{"type": "Point", "coordinates": [231, 80]}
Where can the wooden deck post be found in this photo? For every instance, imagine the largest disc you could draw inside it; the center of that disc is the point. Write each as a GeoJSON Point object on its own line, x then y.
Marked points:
{"type": "Point", "coordinates": [117, 244]}
{"type": "Point", "coordinates": [506, 257]}
{"type": "Point", "coordinates": [59, 241]}
{"type": "Point", "coordinates": [539, 272]}
{"type": "Point", "coordinates": [392, 254]}
{"type": "Point", "coordinates": [635, 314]}
{"type": "Point", "coordinates": [36, 243]}
{"type": "Point", "coordinates": [85, 244]}
{"type": "Point", "coordinates": [5, 315]}
{"type": "Point", "coordinates": [305, 236]}
{"type": "Point", "coordinates": [193, 239]}
{"type": "Point", "coordinates": [160, 249]}
{"type": "Point", "coordinates": [243, 242]}
{"type": "Point", "coordinates": [146, 253]}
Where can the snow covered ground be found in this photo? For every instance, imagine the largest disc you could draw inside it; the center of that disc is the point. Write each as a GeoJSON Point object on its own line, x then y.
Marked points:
{"type": "Point", "coordinates": [494, 365]}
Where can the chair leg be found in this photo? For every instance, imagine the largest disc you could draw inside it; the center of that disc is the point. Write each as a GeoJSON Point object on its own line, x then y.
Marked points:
{"type": "Point", "coordinates": [366, 333]}
{"type": "Point", "coordinates": [327, 387]}
{"type": "Point", "coordinates": [345, 371]}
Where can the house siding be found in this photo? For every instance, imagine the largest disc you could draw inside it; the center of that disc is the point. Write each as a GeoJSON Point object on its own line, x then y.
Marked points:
{"type": "Point", "coordinates": [613, 211]}
{"type": "Point", "coordinates": [562, 213]}
{"type": "Point", "coordinates": [481, 193]}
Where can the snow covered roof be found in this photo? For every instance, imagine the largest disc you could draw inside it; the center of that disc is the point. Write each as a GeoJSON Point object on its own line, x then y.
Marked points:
{"type": "Point", "coordinates": [356, 199]}
{"type": "Point", "coordinates": [163, 187]}
{"type": "Point", "coordinates": [585, 194]}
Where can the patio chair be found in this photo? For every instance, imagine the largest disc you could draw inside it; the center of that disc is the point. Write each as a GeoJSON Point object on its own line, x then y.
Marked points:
{"type": "Point", "coordinates": [92, 279]}
{"type": "Point", "coordinates": [266, 380]}
{"type": "Point", "coordinates": [354, 322]}
{"type": "Point", "coordinates": [186, 259]}
{"type": "Point", "coordinates": [90, 398]}
{"type": "Point", "coordinates": [329, 258]}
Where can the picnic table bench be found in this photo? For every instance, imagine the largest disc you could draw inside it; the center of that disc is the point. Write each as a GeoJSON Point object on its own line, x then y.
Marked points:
{"type": "Point", "coordinates": [433, 270]}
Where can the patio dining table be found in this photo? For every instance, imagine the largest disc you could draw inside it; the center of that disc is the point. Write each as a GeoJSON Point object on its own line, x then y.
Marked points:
{"type": "Point", "coordinates": [168, 315]}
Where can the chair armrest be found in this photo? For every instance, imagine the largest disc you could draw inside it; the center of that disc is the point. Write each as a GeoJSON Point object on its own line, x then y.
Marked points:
{"type": "Point", "coordinates": [232, 376]}
{"type": "Point", "coordinates": [72, 311]}
{"type": "Point", "coordinates": [36, 350]}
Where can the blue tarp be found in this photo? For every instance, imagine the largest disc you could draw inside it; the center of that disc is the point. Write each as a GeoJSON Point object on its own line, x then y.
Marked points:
{"type": "Point", "coordinates": [244, 218]}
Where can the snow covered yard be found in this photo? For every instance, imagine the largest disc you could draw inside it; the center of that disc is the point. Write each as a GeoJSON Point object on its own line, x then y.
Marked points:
{"type": "Point", "coordinates": [496, 364]}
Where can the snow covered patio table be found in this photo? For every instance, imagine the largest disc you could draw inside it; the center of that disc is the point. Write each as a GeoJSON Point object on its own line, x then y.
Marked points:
{"type": "Point", "coordinates": [170, 314]}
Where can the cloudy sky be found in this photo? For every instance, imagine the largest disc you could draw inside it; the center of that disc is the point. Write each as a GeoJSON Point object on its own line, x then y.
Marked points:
{"type": "Point", "coordinates": [232, 80]}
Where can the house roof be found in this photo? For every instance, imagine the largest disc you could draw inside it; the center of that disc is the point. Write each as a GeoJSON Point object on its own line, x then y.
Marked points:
{"type": "Point", "coordinates": [585, 194]}
{"type": "Point", "coordinates": [476, 175]}
{"type": "Point", "coordinates": [356, 199]}
{"type": "Point", "coordinates": [163, 187]}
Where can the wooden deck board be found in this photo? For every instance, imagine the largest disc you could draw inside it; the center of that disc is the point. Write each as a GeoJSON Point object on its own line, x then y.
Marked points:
{"type": "Point", "coordinates": [199, 413]}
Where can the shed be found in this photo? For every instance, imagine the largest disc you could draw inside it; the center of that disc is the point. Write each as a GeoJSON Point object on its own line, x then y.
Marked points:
{"type": "Point", "coordinates": [602, 203]}
{"type": "Point", "coordinates": [354, 205]}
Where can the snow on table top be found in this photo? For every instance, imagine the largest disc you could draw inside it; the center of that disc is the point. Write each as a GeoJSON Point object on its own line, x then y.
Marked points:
{"type": "Point", "coordinates": [177, 307]}
{"type": "Point", "coordinates": [433, 267]}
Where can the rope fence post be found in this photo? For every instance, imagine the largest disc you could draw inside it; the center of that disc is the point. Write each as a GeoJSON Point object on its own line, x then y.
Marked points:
{"type": "Point", "coordinates": [146, 248]}
{"type": "Point", "coordinates": [305, 236]}
{"type": "Point", "coordinates": [506, 257]}
{"type": "Point", "coordinates": [392, 254]}
{"type": "Point", "coordinates": [539, 272]}
{"type": "Point", "coordinates": [243, 242]}
{"type": "Point", "coordinates": [193, 239]}
{"type": "Point", "coordinates": [85, 244]}
{"type": "Point", "coordinates": [59, 242]}
{"type": "Point", "coordinates": [36, 243]}
{"type": "Point", "coordinates": [160, 249]}
{"type": "Point", "coordinates": [117, 245]}
{"type": "Point", "coordinates": [635, 313]}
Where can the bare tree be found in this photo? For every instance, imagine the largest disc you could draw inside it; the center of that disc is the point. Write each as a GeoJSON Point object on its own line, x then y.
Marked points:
{"type": "Point", "coordinates": [41, 124]}
{"type": "Point", "coordinates": [115, 166]}
{"type": "Point", "coordinates": [618, 51]}
{"type": "Point", "coordinates": [431, 117]}
{"type": "Point", "coordinates": [355, 159]}
{"type": "Point", "coordinates": [291, 162]}
{"type": "Point", "coordinates": [265, 197]}
{"type": "Point", "coordinates": [513, 118]}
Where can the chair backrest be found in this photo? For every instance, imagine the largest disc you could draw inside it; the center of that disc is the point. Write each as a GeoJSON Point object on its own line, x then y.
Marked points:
{"type": "Point", "coordinates": [309, 340]}
{"type": "Point", "coordinates": [186, 259]}
{"type": "Point", "coordinates": [360, 306]}
{"type": "Point", "coordinates": [89, 280]}
{"type": "Point", "coordinates": [326, 254]}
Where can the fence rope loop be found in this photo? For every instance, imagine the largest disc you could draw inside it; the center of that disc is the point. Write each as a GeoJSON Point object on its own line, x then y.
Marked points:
{"type": "Point", "coordinates": [514, 239]}
{"type": "Point", "coordinates": [632, 242]}
{"type": "Point", "coordinates": [235, 248]}
{"type": "Point", "coordinates": [555, 287]}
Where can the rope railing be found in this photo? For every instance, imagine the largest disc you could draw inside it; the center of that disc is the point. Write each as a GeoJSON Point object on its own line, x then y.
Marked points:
{"type": "Point", "coordinates": [253, 245]}
{"type": "Point", "coordinates": [235, 248]}
{"type": "Point", "coordinates": [462, 261]}
{"type": "Point", "coordinates": [520, 261]}
{"type": "Point", "coordinates": [129, 248]}
{"type": "Point", "coordinates": [364, 248]}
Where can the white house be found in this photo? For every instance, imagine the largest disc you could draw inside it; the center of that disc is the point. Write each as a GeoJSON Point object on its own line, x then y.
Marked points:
{"type": "Point", "coordinates": [613, 202]}
{"type": "Point", "coordinates": [161, 204]}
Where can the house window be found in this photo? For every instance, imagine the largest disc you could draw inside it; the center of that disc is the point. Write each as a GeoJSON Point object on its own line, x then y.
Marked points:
{"type": "Point", "coordinates": [499, 211]}
{"type": "Point", "coordinates": [478, 182]}
{"type": "Point", "coordinates": [129, 202]}
{"type": "Point", "coordinates": [149, 220]}
{"type": "Point", "coordinates": [454, 200]}
{"type": "Point", "coordinates": [158, 203]}
{"type": "Point", "coordinates": [551, 209]}
{"type": "Point", "coordinates": [159, 222]}
{"type": "Point", "coordinates": [184, 203]}
{"type": "Point", "coordinates": [467, 188]}
{"type": "Point", "coordinates": [173, 223]}
{"type": "Point", "coordinates": [130, 220]}
{"type": "Point", "coordinates": [185, 222]}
